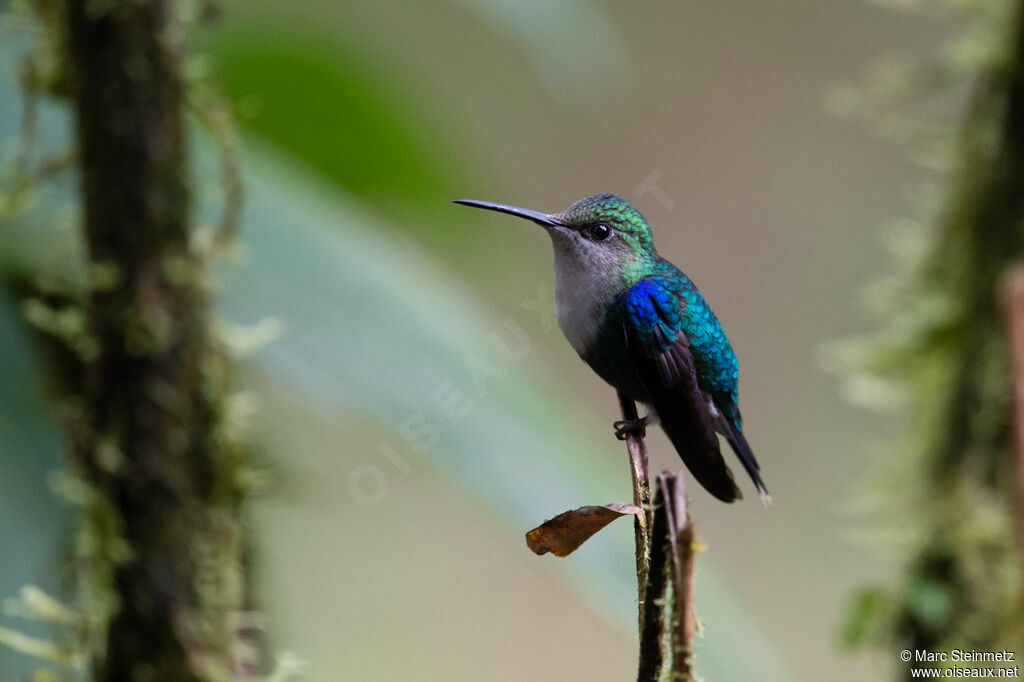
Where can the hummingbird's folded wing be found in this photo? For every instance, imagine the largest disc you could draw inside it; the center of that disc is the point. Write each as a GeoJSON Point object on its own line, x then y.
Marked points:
{"type": "Point", "coordinates": [660, 352]}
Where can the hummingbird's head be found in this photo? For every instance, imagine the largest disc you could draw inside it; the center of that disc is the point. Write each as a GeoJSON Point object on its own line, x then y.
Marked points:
{"type": "Point", "coordinates": [609, 221]}
{"type": "Point", "coordinates": [602, 233]}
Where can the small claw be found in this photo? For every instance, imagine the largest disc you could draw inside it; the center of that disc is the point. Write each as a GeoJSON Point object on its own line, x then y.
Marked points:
{"type": "Point", "coordinates": [626, 427]}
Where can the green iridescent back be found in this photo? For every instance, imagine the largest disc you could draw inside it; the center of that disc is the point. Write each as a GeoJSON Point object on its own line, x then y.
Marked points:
{"type": "Point", "coordinates": [717, 367]}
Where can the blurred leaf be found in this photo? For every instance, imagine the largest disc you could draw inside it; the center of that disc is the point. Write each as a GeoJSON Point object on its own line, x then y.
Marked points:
{"type": "Point", "coordinates": [343, 113]}
{"type": "Point", "coordinates": [564, 534]}
{"type": "Point", "coordinates": [333, 109]}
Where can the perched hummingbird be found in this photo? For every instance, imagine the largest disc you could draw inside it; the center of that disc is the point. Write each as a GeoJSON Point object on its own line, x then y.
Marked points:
{"type": "Point", "coordinates": [645, 328]}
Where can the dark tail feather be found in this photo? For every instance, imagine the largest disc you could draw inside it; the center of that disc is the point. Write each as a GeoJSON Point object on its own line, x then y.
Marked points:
{"type": "Point", "coordinates": [746, 456]}
{"type": "Point", "coordinates": [702, 457]}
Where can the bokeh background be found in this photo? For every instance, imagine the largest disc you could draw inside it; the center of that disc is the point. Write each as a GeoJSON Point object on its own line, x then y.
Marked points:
{"type": "Point", "coordinates": [416, 407]}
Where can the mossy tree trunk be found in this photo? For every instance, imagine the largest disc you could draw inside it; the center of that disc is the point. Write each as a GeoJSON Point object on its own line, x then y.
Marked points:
{"type": "Point", "coordinates": [148, 438]}
{"type": "Point", "coordinates": [946, 344]}
{"type": "Point", "coordinates": [970, 468]}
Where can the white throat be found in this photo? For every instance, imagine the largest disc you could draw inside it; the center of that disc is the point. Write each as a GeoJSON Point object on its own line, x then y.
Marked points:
{"type": "Point", "coordinates": [582, 297]}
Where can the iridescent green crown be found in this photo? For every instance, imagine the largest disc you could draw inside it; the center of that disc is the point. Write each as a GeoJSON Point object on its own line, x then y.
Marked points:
{"type": "Point", "coordinates": [610, 208]}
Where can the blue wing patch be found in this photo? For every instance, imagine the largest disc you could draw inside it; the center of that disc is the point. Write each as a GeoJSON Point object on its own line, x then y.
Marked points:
{"type": "Point", "coordinates": [654, 318]}
{"type": "Point", "coordinates": [652, 321]}
{"type": "Point", "coordinates": [653, 312]}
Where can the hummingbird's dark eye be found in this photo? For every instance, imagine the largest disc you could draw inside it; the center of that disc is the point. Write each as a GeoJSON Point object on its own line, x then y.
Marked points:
{"type": "Point", "coordinates": [599, 232]}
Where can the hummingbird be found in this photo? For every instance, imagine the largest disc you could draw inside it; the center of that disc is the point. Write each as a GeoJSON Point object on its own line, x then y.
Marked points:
{"type": "Point", "coordinates": [644, 327]}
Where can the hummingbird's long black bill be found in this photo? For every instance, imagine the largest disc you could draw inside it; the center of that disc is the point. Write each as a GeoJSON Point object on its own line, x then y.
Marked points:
{"type": "Point", "coordinates": [535, 216]}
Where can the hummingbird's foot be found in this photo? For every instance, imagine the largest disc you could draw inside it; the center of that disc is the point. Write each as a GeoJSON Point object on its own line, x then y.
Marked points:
{"type": "Point", "coordinates": [627, 427]}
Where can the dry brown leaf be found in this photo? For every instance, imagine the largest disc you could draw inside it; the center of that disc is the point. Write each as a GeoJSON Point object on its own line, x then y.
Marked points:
{"type": "Point", "coordinates": [567, 531]}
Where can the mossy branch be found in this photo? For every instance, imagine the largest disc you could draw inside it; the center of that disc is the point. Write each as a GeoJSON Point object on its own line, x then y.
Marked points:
{"type": "Point", "coordinates": [669, 624]}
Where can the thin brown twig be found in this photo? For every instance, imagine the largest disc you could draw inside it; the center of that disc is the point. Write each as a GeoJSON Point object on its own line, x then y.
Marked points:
{"type": "Point", "coordinates": [641, 497]}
